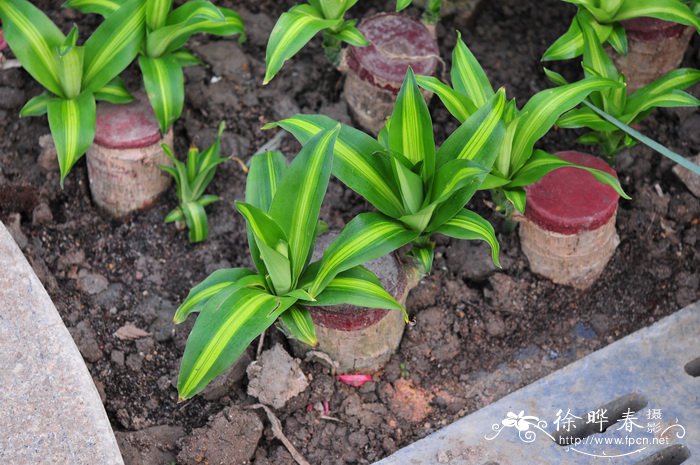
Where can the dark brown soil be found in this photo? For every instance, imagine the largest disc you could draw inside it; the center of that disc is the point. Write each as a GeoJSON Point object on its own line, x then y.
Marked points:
{"type": "Point", "coordinates": [479, 334]}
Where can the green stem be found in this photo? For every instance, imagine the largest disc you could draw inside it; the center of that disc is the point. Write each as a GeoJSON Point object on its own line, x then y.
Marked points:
{"type": "Point", "coordinates": [332, 47]}
{"type": "Point", "coordinates": [431, 15]}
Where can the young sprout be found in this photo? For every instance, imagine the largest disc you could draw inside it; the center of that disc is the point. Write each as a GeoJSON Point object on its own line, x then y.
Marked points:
{"type": "Point", "coordinates": [281, 208]}
{"type": "Point", "coordinates": [518, 163]}
{"type": "Point", "coordinates": [162, 51]}
{"type": "Point", "coordinates": [191, 180]}
{"type": "Point", "coordinates": [604, 17]}
{"type": "Point", "coordinates": [419, 189]}
{"type": "Point", "coordinates": [301, 23]}
{"type": "Point", "coordinates": [73, 76]}
{"type": "Point", "coordinates": [629, 110]}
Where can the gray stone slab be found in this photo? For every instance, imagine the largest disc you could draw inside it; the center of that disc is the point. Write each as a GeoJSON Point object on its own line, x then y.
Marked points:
{"type": "Point", "coordinates": [655, 368]}
{"type": "Point", "coordinates": [50, 410]}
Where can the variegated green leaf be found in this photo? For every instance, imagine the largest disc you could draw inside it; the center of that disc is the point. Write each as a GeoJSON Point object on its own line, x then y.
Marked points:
{"type": "Point", "coordinates": [570, 45]}
{"type": "Point", "coordinates": [618, 39]}
{"type": "Point", "coordinates": [34, 39]}
{"type": "Point", "coordinates": [351, 35]}
{"type": "Point", "coordinates": [157, 13]}
{"type": "Point", "coordinates": [364, 238]}
{"type": "Point", "coordinates": [165, 87]}
{"type": "Point", "coordinates": [113, 45]}
{"type": "Point", "coordinates": [672, 99]}
{"type": "Point", "coordinates": [457, 104]}
{"type": "Point", "coordinates": [355, 162]}
{"type": "Point", "coordinates": [297, 203]}
{"type": "Point", "coordinates": [186, 58]}
{"type": "Point", "coordinates": [114, 92]}
{"type": "Point", "coordinates": [196, 219]}
{"type": "Point", "coordinates": [410, 184]}
{"type": "Point", "coordinates": [468, 77]}
{"type": "Point", "coordinates": [36, 106]}
{"type": "Point", "coordinates": [221, 334]}
{"type": "Point", "coordinates": [675, 80]}
{"type": "Point", "coordinates": [100, 7]}
{"type": "Point", "coordinates": [456, 175]}
{"type": "Point", "coordinates": [266, 172]}
{"type": "Point", "coordinates": [584, 118]}
{"type": "Point", "coordinates": [298, 324]}
{"type": "Point", "coordinates": [411, 129]}
{"type": "Point", "coordinates": [470, 226]}
{"type": "Point", "coordinates": [517, 197]}
{"type": "Point", "coordinates": [423, 255]}
{"type": "Point", "coordinates": [669, 10]}
{"type": "Point", "coordinates": [293, 30]}
{"type": "Point", "coordinates": [212, 285]}
{"type": "Point", "coordinates": [403, 4]}
{"type": "Point", "coordinates": [72, 124]}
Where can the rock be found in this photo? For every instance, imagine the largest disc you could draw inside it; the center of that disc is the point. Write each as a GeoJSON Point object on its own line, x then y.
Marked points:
{"type": "Point", "coordinates": [151, 446]}
{"type": "Point", "coordinates": [584, 331]}
{"type": "Point", "coordinates": [276, 377]}
{"type": "Point", "coordinates": [687, 177]}
{"type": "Point", "coordinates": [47, 159]}
{"type": "Point", "coordinates": [91, 283]}
{"type": "Point", "coordinates": [42, 215]}
{"type": "Point", "coordinates": [11, 98]}
{"type": "Point", "coordinates": [110, 297]}
{"type": "Point", "coordinates": [470, 259]}
{"type": "Point", "coordinates": [495, 325]}
{"type": "Point", "coordinates": [86, 340]}
{"type": "Point", "coordinates": [408, 401]}
{"type": "Point", "coordinates": [117, 357]}
{"type": "Point", "coordinates": [74, 257]}
{"type": "Point", "coordinates": [507, 294]}
{"type": "Point", "coordinates": [226, 59]}
{"type": "Point", "coordinates": [224, 384]}
{"type": "Point", "coordinates": [684, 208]}
{"type": "Point", "coordinates": [231, 437]}
{"type": "Point", "coordinates": [13, 224]}
{"type": "Point", "coordinates": [134, 362]}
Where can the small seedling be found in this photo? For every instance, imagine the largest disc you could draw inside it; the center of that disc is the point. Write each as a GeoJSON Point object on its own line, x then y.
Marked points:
{"type": "Point", "coordinates": [191, 180]}
{"type": "Point", "coordinates": [301, 23]}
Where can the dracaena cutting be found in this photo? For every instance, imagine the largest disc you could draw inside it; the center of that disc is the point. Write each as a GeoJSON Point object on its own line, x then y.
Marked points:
{"type": "Point", "coordinates": [665, 92]}
{"type": "Point", "coordinates": [281, 208]}
{"type": "Point", "coordinates": [604, 16]}
{"type": "Point", "coordinates": [421, 189]}
{"type": "Point", "coordinates": [162, 47]}
{"type": "Point", "coordinates": [296, 27]}
{"type": "Point", "coordinates": [431, 14]}
{"type": "Point", "coordinates": [73, 76]}
{"type": "Point", "coordinates": [518, 163]}
{"type": "Point", "coordinates": [191, 180]}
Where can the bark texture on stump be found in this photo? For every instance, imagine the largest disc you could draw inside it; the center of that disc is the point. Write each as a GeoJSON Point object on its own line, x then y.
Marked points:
{"type": "Point", "coordinates": [655, 48]}
{"type": "Point", "coordinates": [361, 338]}
{"type": "Point", "coordinates": [123, 163]}
{"type": "Point", "coordinates": [375, 72]}
{"type": "Point", "coordinates": [568, 233]}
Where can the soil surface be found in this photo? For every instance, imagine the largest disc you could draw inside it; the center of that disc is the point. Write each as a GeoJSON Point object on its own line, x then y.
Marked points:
{"type": "Point", "coordinates": [479, 333]}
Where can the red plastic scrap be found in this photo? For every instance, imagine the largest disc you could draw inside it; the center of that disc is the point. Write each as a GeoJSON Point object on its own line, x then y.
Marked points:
{"type": "Point", "coordinates": [354, 380]}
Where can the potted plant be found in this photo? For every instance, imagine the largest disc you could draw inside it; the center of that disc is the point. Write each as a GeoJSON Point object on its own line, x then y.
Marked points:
{"type": "Point", "coordinates": [628, 109]}
{"type": "Point", "coordinates": [123, 164]}
{"type": "Point", "coordinates": [382, 48]}
{"type": "Point", "coordinates": [406, 178]}
{"type": "Point", "coordinates": [650, 37]}
{"type": "Point", "coordinates": [570, 248]}
{"type": "Point", "coordinates": [73, 76]}
{"type": "Point", "coordinates": [281, 210]}
{"type": "Point", "coordinates": [191, 180]}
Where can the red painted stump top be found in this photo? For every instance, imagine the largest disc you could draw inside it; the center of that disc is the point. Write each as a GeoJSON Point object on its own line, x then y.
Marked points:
{"type": "Point", "coordinates": [396, 42]}
{"type": "Point", "coordinates": [652, 28]}
{"type": "Point", "coordinates": [570, 200]}
{"type": "Point", "coordinates": [128, 126]}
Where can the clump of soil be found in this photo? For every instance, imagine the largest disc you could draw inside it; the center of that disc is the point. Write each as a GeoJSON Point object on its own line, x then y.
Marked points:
{"type": "Point", "coordinates": [480, 332]}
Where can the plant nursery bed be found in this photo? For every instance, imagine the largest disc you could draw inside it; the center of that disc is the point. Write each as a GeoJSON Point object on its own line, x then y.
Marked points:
{"type": "Point", "coordinates": [479, 333]}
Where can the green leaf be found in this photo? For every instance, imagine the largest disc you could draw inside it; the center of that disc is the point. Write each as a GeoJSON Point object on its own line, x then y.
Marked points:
{"type": "Point", "coordinates": [357, 286]}
{"type": "Point", "coordinates": [669, 10]}
{"type": "Point", "coordinates": [517, 197]}
{"type": "Point", "coordinates": [423, 255]}
{"type": "Point", "coordinates": [364, 238]}
{"type": "Point", "coordinates": [457, 104]}
{"type": "Point", "coordinates": [293, 30]}
{"type": "Point", "coordinates": [114, 92]}
{"type": "Point", "coordinates": [470, 226]}
{"type": "Point", "coordinates": [264, 227]}
{"type": "Point", "coordinates": [33, 38]}
{"type": "Point", "coordinates": [584, 118]}
{"type": "Point", "coordinates": [351, 35]}
{"type": "Point", "coordinates": [570, 45]}
{"type": "Point", "coordinates": [410, 184]}
{"type": "Point", "coordinates": [72, 124]}
{"type": "Point", "coordinates": [419, 221]}
{"type": "Point", "coordinates": [212, 285]}
{"type": "Point", "coordinates": [36, 106]}
{"type": "Point", "coordinates": [403, 4]}
{"type": "Point", "coordinates": [196, 219]}
{"type": "Point", "coordinates": [542, 163]}
{"type": "Point", "coordinates": [675, 80]}
{"type": "Point", "coordinates": [221, 334]}
{"type": "Point", "coordinates": [456, 175]}
{"type": "Point", "coordinates": [297, 203]}
{"type": "Point", "coordinates": [411, 129]}
{"type": "Point", "coordinates": [157, 13]}
{"type": "Point", "coordinates": [113, 45]}
{"type": "Point", "coordinates": [618, 39]}
{"type": "Point", "coordinates": [266, 172]}
{"type": "Point", "coordinates": [672, 99]}
{"type": "Point", "coordinates": [165, 87]}
{"type": "Point", "coordinates": [298, 324]}
{"type": "Point", "coordinates": [666, 152]}
{"type": "Point", "coordinates": [186, 58]}
{"type": "Point", "coordinates": [468, 77]}
{"type": "Point", "coordinates": [544, 109]}
{"type": "Point", "coordinates": [100, 7]}
{"type": "Point", "coordinates": [355, 161]}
